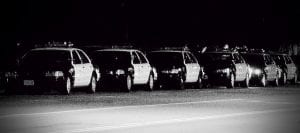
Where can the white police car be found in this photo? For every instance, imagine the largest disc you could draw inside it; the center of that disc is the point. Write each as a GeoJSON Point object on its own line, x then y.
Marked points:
{"type": "Point", "coordinates": [58, 68]}
{"type": "Point", "coordinates": [124, 68]}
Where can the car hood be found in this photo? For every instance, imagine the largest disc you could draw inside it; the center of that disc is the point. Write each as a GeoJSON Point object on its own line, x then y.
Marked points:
{"type": "Point", "coordinates": [258, 66]}
{"type": "Point", "coordinates": [166, 66]}
{"type": "Point", "coordinates": [217, 65]}
{"type": "Point", "coordinates": [112, 67]}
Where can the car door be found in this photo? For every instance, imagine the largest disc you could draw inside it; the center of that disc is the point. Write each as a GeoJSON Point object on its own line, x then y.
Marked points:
{"type": "Point", "coordinates": [137, 66]}
{"type": "Point", "coordinates": [241, 67]}
{"type": "Point", "coordinates": [271, 67]}
{"type": "Point", "coordinates": [291, 67]}
{"type": "Point", "coordinates": [76, 62]}
{"type": "Point", "coordinates": [145, 67]}
{"type": "Point", "coordinates": [192, 67]}
{"type": "Point", "coordinates": [87, 68]}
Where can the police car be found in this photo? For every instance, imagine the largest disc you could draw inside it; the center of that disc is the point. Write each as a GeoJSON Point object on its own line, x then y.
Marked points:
{"type": "Point", "coordinates": [263, 68]}
{"type": "Point", "coordinates": [286, 64]}
{"type": "Point", "coordinates": [124, 68]}
{"type": "Point", "coordinates": [224, 67]}
{"type": "Point", "coordinates": [58, 68]}
{"type": "Point", "coordinates": [176, 67]}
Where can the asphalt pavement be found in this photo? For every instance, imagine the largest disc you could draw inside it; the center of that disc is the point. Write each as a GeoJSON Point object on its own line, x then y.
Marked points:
{"type": "Point", "coordinates": [259, 110]}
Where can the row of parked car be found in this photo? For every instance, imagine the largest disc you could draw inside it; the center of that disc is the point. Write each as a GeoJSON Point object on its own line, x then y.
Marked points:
{"type": "Point", "coordinates": [65, 68]}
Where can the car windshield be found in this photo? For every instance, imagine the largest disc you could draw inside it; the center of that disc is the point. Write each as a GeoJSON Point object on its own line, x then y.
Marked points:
{"type": "Point", "coordinates": [111, 57]}
{"type": "Point", "coordinates": [254, 58]}
{"type": "Point", "coordinates": [46, 57]}
{"type": "Point", "coordinates": [165, 57]}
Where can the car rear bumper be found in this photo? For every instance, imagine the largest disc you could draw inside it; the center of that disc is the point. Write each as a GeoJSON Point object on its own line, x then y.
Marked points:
{"type": "Point", "coordinates": [39, 83]}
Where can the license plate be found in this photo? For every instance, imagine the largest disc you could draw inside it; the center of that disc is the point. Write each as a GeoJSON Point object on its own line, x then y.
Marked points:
{"type": "Point", "coordinates": [29, 82]}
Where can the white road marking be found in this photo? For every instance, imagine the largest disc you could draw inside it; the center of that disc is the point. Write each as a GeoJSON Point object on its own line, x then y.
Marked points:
{"type": "Point", "coordinates": [151, 123]}
{"type": "Point", "coordinates": [118, 107]}
{"type": "Point", "coordinates": [271, 102]}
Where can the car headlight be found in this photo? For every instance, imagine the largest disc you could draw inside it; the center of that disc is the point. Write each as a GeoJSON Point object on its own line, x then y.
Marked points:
{"type": "Point", "coordinates": [175, 71]}
{"type": "Point", "coordinates": [10, 74]}
{"type": "Point", "coordinates": [54, 74]}
{"type": "Point", "coordinates": [120, 72]}
{"type": "Point", "coordinates": [257, 71]}
{"type": "Point", "coordinates": [172, 71]}
{"type": "Point", "coordinates": [226, 70]}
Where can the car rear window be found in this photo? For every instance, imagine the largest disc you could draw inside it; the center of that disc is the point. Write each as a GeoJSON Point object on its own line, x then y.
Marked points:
{"type": "Point", "coordinates": [108, 57]}
{"type": "Point", "coordinates": [46, 56]}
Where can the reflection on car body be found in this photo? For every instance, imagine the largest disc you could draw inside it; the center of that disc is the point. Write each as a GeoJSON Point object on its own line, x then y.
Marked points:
{"type": "Point", "coordinates": [53, 68]}
{"type": "Point", "coordinates": [175, 67]}
{"type": "Point", "coordinates": [224, 67]}
{"type": "Point", "coordinates": [125, 67]}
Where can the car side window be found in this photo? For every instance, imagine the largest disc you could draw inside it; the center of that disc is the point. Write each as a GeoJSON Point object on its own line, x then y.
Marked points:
{"type": "Point", "coordinates": [84, 58]}
{"type": "Point", "coordinates": [237, 58]}
{"type": "Point", "coordinates": [136, 59]}
{"type": "Point", "coordinates": [76, 59]}
{"type": "Point", "coordinates": [193, 58]}
{"type": "Point", "coordinates": [142, 57]}
{"type": "Point", "coordinates": [269, 61]}
{"type": "Point", "coordinates": [288, 60]}
{"type": "Point", "coordinates": [241, 58]}
{"type": "Point", "coordinates": [187, 58]}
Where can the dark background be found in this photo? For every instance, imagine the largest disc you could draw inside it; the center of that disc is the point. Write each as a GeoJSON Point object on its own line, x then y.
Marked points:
{"type": "Point", "coordinates": [148, 23]}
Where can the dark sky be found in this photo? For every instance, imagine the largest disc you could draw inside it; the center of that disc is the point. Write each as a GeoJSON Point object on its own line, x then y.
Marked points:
{"type": "Point", "coordinates": [90, 21]}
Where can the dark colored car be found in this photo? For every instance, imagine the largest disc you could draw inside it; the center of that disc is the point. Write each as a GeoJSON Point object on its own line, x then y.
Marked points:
{"type": "Point", "coordinates": [286, 64]}
{"type": "Point", "coordinates": [43, 69]}
{"type": "Point", "coordinates": [176, 67]}
{"type": "Point", "coordinates": [263, 68]}
{"type": "Point", "coordinates": [224, 68]}
{"type": "Point", "coordinates": [124, 68]}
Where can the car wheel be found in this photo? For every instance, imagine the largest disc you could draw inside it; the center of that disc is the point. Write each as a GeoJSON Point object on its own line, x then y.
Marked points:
{"type": "Point", "coordinates": [276, 81]}
{"type": "Point", "coordinates": [246, 82]}
{"type": "Point", "coordinates": [150, 84]}
{"type": "Point", "coordinates": [128, 83]}
{"type": "Point", "coordinates": [295, 79]}
{"type": "Point", "coordinates": [93, 85]}
{"type": "Point", "coordinates": [9, 90]}
{"type": "Point", "coordinates": [263, 81]}
{"type": "Point", "coordinates": [231, 81]}
{"type": "Point", "coordinates": [67, 86]}
{"type": "Point", "coordinates": [284, 79]}
{"type": "Point", "coordinates": [199, 83]}
{"type": "Point", "coordinates": [180, 84]}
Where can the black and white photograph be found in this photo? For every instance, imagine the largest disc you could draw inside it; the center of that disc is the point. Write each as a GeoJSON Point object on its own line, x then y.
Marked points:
{"type": "Point", "coordinates": [149, 66]}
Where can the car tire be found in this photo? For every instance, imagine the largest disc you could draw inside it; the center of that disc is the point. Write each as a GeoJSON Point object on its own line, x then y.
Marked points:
{"type": "Point", "coordinates": [180, 84]}
{"type": "Point", "coordinates": [246, 82]}
{"type": "Point", "coordinates": [276, 81]}
{"type": "Point", "coordinates": [151, 83]}
{"type": "Point", "coordinates": [66, 89]}
{"type": "Point", "coordinates": [263, 81]}
{"type": "Point", "coordinates": [199, 83]}
{"type": "Point", "coordinates": [284, 79]}
{"type": "Point", "coordinates": [93, 85]}
{"type": "Point", "coordinates": [128, 83]}
{"type": "Point", "coordinates": [295, 79]}
{"type": "Point", "coordinates": [231, 81]}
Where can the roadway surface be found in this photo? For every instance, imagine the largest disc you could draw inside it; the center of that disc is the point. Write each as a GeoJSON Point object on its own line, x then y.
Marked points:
{"type": "Point", "coordinates": [252, 110]}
